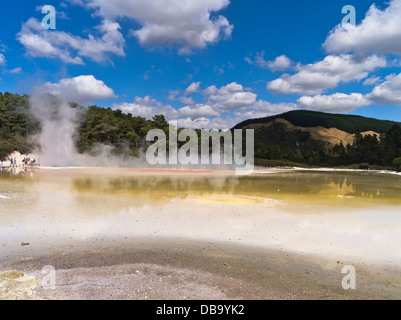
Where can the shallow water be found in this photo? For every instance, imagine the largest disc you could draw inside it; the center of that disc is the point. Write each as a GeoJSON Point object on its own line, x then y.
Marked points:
{"type": "Point", "coordinates": [318, 187]}
{"type": "Point", "coordinates": [334, 214]}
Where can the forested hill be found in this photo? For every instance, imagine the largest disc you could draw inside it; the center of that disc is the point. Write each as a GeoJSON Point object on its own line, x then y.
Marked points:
{"type": "Point", "coordinates": [347, 123]}
{"type": "Point", "coordinates": [324, 139]}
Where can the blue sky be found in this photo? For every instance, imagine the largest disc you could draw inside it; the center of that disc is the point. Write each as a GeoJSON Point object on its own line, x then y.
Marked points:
{"type": "Point", "coordinates": [207, 63]}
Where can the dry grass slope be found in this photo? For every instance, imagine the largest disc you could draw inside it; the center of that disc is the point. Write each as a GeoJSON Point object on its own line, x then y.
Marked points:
{"type": "Point", "coordinates": [333, 135]}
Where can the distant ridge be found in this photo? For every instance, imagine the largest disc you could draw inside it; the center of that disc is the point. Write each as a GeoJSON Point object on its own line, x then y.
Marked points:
{"type": "Point", "coordinates": [347, 123]}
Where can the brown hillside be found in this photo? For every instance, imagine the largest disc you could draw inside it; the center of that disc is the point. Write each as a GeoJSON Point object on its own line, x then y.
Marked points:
{"type": "Point", "coordinates": [333, 135]}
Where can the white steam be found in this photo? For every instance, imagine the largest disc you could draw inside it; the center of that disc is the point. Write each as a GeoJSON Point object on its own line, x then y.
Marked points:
{"type": "Point", "coordinates": [56, 141]}
{"type": "Point", "coordinates": [59, 123]}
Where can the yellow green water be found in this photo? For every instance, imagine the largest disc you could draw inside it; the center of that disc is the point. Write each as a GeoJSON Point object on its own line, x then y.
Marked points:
{"type": "Point", "coordinates": [302, 187]}
{"type": "Point", "coordinates": [331, 213]}
{"type": "Point", "coordinates": [314, 187]}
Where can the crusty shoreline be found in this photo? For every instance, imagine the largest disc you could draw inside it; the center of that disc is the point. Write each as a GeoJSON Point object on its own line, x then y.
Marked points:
{"type": "Point", "coordinates": [174, 270]}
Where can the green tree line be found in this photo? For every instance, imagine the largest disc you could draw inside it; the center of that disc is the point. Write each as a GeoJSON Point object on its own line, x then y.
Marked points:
{"type": "Point", "coordinates": [16, 124]}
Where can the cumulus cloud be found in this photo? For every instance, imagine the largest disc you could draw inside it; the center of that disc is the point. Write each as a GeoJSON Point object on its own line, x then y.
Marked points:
{"type": "Point", "coordinates": [218, 123]}
{"type": "Point", "coordinates": [280, 63]}
{"type": "Point", "coordinates": [82, 89]}
{"type": "Point", "coordinates": [183, 97]}
{"type": "Point", "coordinates": [261, 109]}
{"type": "Point", "coordinates": [146, 107]}
{"type": "Point", "coordinates": [244, 104]}
{"type": "Point", "coordinates": [379, 32]}
{"type": "Point", "coordinates": [335, 103]}
{"type": "Point", "coordinates": [229, 97]}
{"type": "Point", "coordinates": [388, 92]}
{"type": "Point", "coordinates": [186, 23]}
{"type": "Point", "coordinates": [267, 108]}
{"type": "Point", "coordinates": [224, 107]}
{"type": "Point", "coordinates": [69, 48]}
{"type": "Point", "coordinates": [198, 111]}
{"type": "Point", "coordinates": [186, 100]}
{"type": "Point", "coordinates": [190, 123]}
{"type": "Point", "coordinates": [313, 79]}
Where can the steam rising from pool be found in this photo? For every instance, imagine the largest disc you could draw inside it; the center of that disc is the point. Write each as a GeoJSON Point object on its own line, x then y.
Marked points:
{"type": "Point", "coordinates": [59, 123]}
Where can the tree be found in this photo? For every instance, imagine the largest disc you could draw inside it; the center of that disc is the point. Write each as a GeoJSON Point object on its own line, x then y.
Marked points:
{"type": "Point", "coordinates": [392, 142]}
{"type": "Point", "coordinates": [160, 122]}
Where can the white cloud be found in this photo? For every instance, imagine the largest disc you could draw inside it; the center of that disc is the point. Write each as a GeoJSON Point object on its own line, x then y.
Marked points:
{"type": "Point", "coordinates": [197, 111]}
{"type": "Point", "coordinates": [173, 94]}
{"type": "Point", "coordinates": [193, 87]}
{"type": "Point", "coordinates": [146, 107]}
{"type": "Point", "coordinates": [69, 48]}
{"type": "Point", "coordinates": [2, 60]}
{"type": "Point", "coordinates": [186, 23]}
{"type": "Point", "coordinates": [371, 81]}
{"type": "Point", "coordinates": [176, 94]}
{"type": "Point", "coordinates": [189, 123]}
{"type": "Point", "coordinates": [280, 63]}
{"type": "Point", "coordinates": [388, 92]}
{"type": "Point", "coordinates": [259, 60]}
{"type": "Point", "coordinates": [264, 108]}
{"type": "Point", "coordinates": [77, 2]}
{"type": "Point", "coordinates": [224, 108]}
{"type": "Point", "coordinates": [244, 104]}
{"type": "Point", "coordinates": [236, 104]}
{"type": "Point", "coordinates": [186, 100]}
{"type": "Point", "coordinates": [223, 68]}
{"type": "Point", "coordinates": [14, 71]}
{"type": "Point", "coordinates": [313, 79]}
{"type": "Point", "coordinates": [230, 96]}
{"type": "Point", "coordinates": [147, 101]}
{"type": "Point", "coordinates": [379, 32]}
{"type": "Point", "coordinates": [81, 89]}
{"type": "Point", "coordinates": [335, 103]}
{"type": "Point", "coordinates": [218, 123]}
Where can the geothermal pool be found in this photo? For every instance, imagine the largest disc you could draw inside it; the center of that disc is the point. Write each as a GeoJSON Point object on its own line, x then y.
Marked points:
{"type": "Point", "coordinates": [348, 216]}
